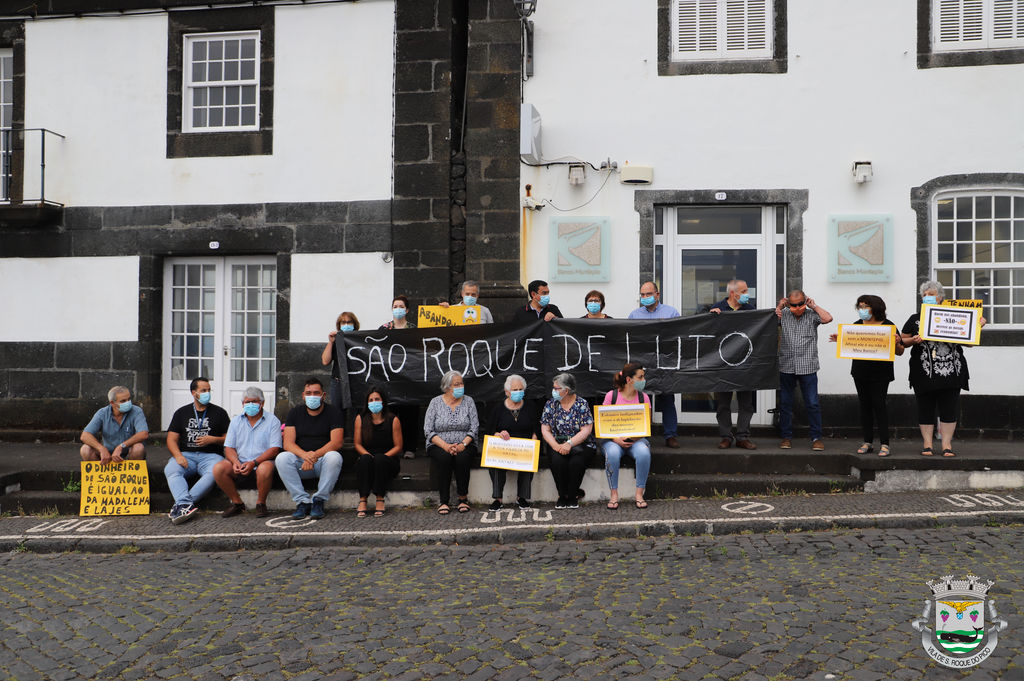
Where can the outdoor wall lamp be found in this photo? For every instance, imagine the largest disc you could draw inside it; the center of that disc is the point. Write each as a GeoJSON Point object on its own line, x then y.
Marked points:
{"type": "Point", "coordinates": [526, 8]}
{"type": "Point", "coordinates": [862, 171]}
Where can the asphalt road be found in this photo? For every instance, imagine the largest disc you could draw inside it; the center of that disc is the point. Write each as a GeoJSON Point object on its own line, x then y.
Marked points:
{"type": "Point", "coordinates": [775, 606]}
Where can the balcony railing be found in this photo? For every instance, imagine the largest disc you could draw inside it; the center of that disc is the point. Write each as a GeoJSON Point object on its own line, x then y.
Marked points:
{"type": "Point", "coordinates": [20, 152]}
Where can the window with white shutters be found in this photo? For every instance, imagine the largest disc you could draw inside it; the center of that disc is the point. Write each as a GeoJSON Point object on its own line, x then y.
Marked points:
{"type": "Point", "coordinates": [961, 25]}
{"type": "Point", "coordinates": [722, 29]}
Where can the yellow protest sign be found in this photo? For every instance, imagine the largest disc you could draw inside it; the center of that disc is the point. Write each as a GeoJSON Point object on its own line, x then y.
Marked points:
{"type": "Point", "coordinates": [622, 420]}
{"type": "Point", "coordinates": [455, 315]}
{"type": "Point", "coordinates": [513, 454]}
{"type": "Point", "coordinates": [875, 342]}
{"type": "Point", "coordinates": [949, 324]}
{"type": "Point", "coordinates": [115, 488]}
{"type": "Point", "coordinates": [961, 303]}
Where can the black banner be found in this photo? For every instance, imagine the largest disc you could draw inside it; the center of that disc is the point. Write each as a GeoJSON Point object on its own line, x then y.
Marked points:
{"type": "Point", "coordinates": [704, 353]}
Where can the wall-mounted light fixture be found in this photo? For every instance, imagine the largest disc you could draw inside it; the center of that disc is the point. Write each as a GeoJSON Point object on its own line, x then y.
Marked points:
{"type": "Point", "coordinates": [862, 171]}
{"type": "Point", "coordinates": [577, 173]}
{"type": "Point", "coordinates": [526, 8]}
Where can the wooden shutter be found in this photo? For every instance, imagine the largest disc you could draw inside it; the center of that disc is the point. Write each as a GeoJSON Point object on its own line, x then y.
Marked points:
{"type": "Point", "coordinates": [722, 29]}
{"type": "Point", "coordinates": [696, 23]}
{"type": "Point", "coordinates": [959, 24]}
{"type": "Point", "coordinates": [746, 26]}
{"type": "Point", "coordinates": [1008, 23]}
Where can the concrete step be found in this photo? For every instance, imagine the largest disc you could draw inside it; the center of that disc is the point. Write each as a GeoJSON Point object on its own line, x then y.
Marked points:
{"type": "Point", "coordinates": [710, 485]}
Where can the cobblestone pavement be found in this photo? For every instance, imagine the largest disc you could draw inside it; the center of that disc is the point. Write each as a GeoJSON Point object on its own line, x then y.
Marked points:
{"type": "Point", "coordinates": [803, 605]}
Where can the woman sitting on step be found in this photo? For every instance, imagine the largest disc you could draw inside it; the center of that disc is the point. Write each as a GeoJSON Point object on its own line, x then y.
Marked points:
{"type": "Point", "coordinates": [628, 388]}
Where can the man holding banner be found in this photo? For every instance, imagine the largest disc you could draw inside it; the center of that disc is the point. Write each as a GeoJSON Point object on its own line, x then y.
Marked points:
{"type": "Point", "coordinates": [651, 308]}
{"type": "Point", "coordinates": [737, 298]}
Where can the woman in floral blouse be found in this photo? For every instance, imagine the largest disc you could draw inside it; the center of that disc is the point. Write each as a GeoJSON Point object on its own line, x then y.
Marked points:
{"type": "Point", "coordinates": [450, 426]}
{"type": "Point", "coordinates": [567, 427]}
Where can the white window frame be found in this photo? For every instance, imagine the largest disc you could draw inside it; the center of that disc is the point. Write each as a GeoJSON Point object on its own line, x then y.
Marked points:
{"type": "Point", "coordinates": [955, 286]}
{"type": "Point", "coordinates": [189, 87]}
{"type": "Point", "coordinates": [716, 47]}
{"type": "Point", "coordinates": [6, 91]}
{"type": "Point", "coordinates": [997, 25]}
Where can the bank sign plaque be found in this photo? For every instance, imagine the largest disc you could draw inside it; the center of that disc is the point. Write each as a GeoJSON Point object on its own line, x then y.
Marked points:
{"type": "Point", "coordinates": [579, 249]}
{"type": "Point", "coordinates": [860, 248]}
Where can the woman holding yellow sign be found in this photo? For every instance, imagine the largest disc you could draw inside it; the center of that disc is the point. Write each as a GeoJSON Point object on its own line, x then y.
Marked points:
{"type": "Point", "coordinates": [567, 426]}
{"type": "Point", "coordinates": [513, 417]}
{"type": "Point", "coordinates": [628, 387]}
{"type": "Point", "coordinates": [938, 372]}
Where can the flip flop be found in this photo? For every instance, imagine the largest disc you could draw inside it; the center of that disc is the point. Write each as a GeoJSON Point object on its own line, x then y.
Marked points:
{"type": "Point", "coordinates": [927, 451]}
{"type": "Point", "coordinates": [948, 452]}
{"type": "Point", "coordinates": [613, 506]}
{"type": "Point", "coordinates": [641, 503]}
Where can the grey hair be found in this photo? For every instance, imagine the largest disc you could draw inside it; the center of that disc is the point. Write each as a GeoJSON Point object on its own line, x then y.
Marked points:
{"type": "Point", "coordinates": [565, 381]}
{"type": "Point", "coordinates": [252, 392]}
{"type": "Point", "coordinates": [734, 284]}
{"type": "Point", "coordinates": [931, 285]}
{"type": "Point", "coordinates": [468, 282]}
{"type": "Point", "coordinates": [448, 379]}
{"type": "Point", "coordinates": [115, 391]}
{"type": "Point", "coordinates": [512, 379]}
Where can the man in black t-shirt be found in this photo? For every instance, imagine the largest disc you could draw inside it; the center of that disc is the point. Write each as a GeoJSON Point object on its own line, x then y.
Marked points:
{"type": "Point", "coordinates": [313, 434]}
{"type": "Point", "coordinates": [195, 439]}
{"type": "Point", "coordinates": [540, 306]}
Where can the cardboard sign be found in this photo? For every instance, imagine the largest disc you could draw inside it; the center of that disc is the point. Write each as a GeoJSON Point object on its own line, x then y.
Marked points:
{"type": "Point", "coordinates": [513, 454]}
{"type": "Point", "coordinates": [115, 488]}
{"type": "Point", "coordinates": [455, 315]}
{"type": "Point", "coordinates": [866, 341]}
{"type": "Point", "coordinates": [622, 420]}
{"type": "Point", "coordinates": [950, 324]}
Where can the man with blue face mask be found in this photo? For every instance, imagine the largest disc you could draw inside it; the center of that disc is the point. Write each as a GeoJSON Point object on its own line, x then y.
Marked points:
{"type": "Point", "coordinates": [737, 298]}
{"type": "Point", "coordinates": [470, 295]}
{"type": "Point", "coordinates": [313, 434]}
{"type": "Point", "coordinates": [540, 306]}
{"type": "Point", "coordinates": [651, 308]}
{"type": "Point", "coordinates": [252, 442]}
{"type": "Point", "coordinates": [799, 318]}
{"type": "Point", "coordinates": [195, 440]}
{"type": "Point", "coordinates": [116, 432]}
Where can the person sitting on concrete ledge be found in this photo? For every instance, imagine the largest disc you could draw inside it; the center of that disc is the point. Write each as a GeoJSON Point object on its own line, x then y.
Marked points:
{"type": "Point", "coordinates": [252, 442]}
{"type": "Point", "coordinates": [116, 432]}
{"type": "Point", "coordinates": [195, 440]}
{"type": "Point", "coordinates": [313, 434]}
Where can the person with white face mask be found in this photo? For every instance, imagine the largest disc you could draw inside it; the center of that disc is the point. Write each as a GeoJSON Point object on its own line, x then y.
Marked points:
{"type": "Point", "coordinates": [514, 416]}
{"type": "Point", "coordinates": [116, 432]}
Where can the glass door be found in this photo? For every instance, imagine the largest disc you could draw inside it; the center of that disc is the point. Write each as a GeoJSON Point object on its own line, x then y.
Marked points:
{"type": "Point", "coordinates": [220, 322]}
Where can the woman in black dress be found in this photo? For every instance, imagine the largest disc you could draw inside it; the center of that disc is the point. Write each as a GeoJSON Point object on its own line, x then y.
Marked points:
{"type": "Point", "coordinates": [513, 417]}
{"type": "Point", "coordinates": [378, 441]}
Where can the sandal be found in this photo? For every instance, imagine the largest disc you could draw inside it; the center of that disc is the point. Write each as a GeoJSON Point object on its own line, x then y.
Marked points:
{"type": "Point", "coordinates": [883, 450]}
{"type": "Point", "coordinates": [379, 509]}
{"type": "Point", "coordinates": [443, 509]}
{"type": "Point", "coordinates": [865, 448]}
{"type": "Point", "coordinates": [948, 452]}
{"type": "Point", "coordinates": [926, 451]}
{"type": "Point", "coordinates": [361, 510]}
{"type": "Point", "coordinates": [640, 503]}
{"type": "Point", "coordinates": [464, 507]}
{"type": "Point", "coordinates": [613, 506]}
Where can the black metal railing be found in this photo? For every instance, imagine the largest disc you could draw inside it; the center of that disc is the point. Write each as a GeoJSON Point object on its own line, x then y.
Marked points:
{"type": "Point", "coordinates": [14, 142]}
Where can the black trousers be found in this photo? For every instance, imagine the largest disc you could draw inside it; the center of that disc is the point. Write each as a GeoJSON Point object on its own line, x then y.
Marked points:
{"type": "Point", "coordinates": [375, 471]}
{"type": "Point", "coordinates": [946, 401]}
{"type": "Point", "coordinates": [460, 464]}
{"type": "Point", "coordinates": [524, 482]}
{"type": "Point", "coordinates": [873, 411]}
{"type": "Point", "coordinates": [568, 469]}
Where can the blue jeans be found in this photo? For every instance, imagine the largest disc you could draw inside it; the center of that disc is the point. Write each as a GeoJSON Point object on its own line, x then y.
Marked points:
{"type": "Point", "coordinates": [199, 464]}
{"type": "Point", "coordinates": [327, 468]}
{"type": "Point", "coordinates": [641, 453]}
{"type": "Point", "coordinates": [666, 404]}
{"type": "Point", "coordinates": [809, 389]}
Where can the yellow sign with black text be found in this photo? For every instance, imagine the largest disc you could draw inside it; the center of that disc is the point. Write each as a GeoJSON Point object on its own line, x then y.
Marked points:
{"type": "Point", "coordinates": [455, 315]}
{"type": "Point", "coordinates": [622, 420]}
{"type": "Point", "coordinates": [114, 488]}
{"type": "Point", "coordinates": [876, 342]}
{"type": "Point", "coordinates": [951, 324]}
{"type": "Point", "coordinates": [513, 454]}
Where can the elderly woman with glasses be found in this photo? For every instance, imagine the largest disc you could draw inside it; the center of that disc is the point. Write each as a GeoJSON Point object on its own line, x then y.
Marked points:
{"type": "Point", "coordinates": [938, 372]}
{"type": "Point", "coordinates": [567, 427]}
{"type": "Point", "coordinates": [450, 426]}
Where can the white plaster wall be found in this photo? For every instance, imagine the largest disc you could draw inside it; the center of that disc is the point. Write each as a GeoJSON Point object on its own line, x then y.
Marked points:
{"type": "Point", "coordinates": [69, 299]}
{"type": "Point", "coordinates": [853, 92]}
{"type": "Point", "coordinates": [325, 285]}
{"type": "Point", "coordinates": [102, 82]}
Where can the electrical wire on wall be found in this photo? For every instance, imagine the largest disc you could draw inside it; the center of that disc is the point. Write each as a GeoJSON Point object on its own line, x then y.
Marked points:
{"type": "Point", "coordinates": [608, 167]}
{"type": "Point", "coordinates": [549, 202]}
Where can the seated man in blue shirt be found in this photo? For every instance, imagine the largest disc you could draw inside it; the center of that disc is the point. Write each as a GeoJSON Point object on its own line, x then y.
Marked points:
{"type": "Point", "coordinates": [737, 299]}
{"type": "Point", "coordinates": [116, 432]}
{"type": "Point", "coordinates": [651, 308]}
{"type": "Point", "coordinates": [252, 442]}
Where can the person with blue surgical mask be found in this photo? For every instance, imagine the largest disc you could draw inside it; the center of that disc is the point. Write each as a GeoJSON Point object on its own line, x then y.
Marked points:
{"type": "Point", "coordinates": [116, 432]}
{"type": "Point", "coordinates": [450, 426]}
{"type": "Point", "coordinates": [567, 426]}
{"type": "Point", "coordinates": [652, 308]}
{"type": "Point", "coordinates": [377, 437]}
{"type": "Point", "coordinates": [345, 323]}
{"type": "Point", "coordinates": [737, 298]}
{"type": "Point", "coordinates": [400, 316]}
{"type": "Point", "coordinates": [516, 417]}
{"type": "Point", "coordinates": [469, 294]}
{"type": "Point", "coordinates": [252, 443]}
{"type": "Point", "coordinates": [407, 414]}
{"type": "Point", "coordinates": [594, 301]}
{"type": "Point", "coordinates": [539, 307]}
